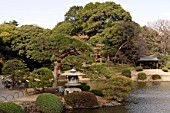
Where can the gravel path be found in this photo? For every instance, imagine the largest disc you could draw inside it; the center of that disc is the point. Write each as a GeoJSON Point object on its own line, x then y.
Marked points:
{"type": "Point", "coordinates": [149, 72]}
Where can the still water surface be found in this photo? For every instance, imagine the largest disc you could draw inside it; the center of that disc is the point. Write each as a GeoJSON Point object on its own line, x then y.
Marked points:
{"type": "Point", "coordinates": [147, 97]}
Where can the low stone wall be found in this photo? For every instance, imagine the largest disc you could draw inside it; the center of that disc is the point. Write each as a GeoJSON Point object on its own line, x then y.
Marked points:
{"type": "Point", "coordinates": [11, 96]}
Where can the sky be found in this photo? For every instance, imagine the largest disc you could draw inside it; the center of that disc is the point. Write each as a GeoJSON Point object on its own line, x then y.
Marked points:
{"type": "Point", "coordinates": [47, 13]}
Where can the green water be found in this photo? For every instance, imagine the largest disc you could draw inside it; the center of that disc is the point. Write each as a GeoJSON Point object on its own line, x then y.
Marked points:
{"type": "Point", "coordinates": [118, 109]}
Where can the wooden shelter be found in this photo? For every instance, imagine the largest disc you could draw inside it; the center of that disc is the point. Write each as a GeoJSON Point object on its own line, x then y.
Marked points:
{"type": "Point", "coordinates": [149, 62]}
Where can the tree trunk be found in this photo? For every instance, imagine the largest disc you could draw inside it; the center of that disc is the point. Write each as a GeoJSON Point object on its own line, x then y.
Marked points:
{"type": "Point", "coordinates": [56, 73]}
{"type": "Point", "coordinates": [118, 51]}
{"type": "Point", "coordinates": [13, 82]}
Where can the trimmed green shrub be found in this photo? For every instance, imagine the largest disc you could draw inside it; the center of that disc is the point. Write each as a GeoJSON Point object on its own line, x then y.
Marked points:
{"type": "Point", "coordinates": [81, 100]}
{"type": "Point", "coordinates": [49, 103]}
{"type": "Point", "coordinates": [97, 92]}
{"type": "Point", "coordinates": [139, 68]}
{"type": "Point", "coordinates": [15, 70]}
{"type": "Point", "coordinates": [41, 78]}
{"type": "Point", "coordinates": [142, 76]}
{"type": "Point", "coordinates": [10, 107]}
{"type": "Point", "coordinates": [165, 69]}
{"type": "Point", "coordinates": [127, 73]}
{"type": "Point", "coordinates": [156, 76]}
{"type": "Point", "coordinates": [117, 88]}
{"type": "Point", "coordinates": [84, 87]}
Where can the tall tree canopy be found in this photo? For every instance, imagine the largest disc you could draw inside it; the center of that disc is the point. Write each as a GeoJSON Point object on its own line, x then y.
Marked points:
{"type": "Point", "coordinates": [163, 29]}
{"type": "Point", "coordinates": [26, 34]}
{"type": "Point", "coordinates": [58, 47]}
{"type": "Point", "coordinates": [14, 70]}
{"type": "Point", "coordinates": [103, 23]}
{"type": "Point", "coordinates": [149, 39]}
{"type": "Point", "coordinates": [120, 40]}
{"type": "Point", "coordinates": [95, 17]}
{"type": "Point", "coordinates": [8, 33]}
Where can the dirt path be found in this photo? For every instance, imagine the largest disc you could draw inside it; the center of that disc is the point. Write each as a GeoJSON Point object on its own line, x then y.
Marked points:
{"type": "Point", "coordinates": [149, 72]}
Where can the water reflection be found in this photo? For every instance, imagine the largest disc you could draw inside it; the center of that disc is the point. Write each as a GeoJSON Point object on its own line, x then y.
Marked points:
{"type": "Point", "coordinates": [150, 97]}
{"type": "Point", "coordinates": [146, 97]}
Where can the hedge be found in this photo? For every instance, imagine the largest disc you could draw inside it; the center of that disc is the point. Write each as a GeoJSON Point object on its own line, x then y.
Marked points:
{"type": "Point", "coordinates": [10, 107]}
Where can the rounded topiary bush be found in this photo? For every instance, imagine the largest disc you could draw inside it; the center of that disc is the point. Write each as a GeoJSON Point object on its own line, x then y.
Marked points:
{"type": "Point", "coordinates": [97, 92]}
{"type": "Point", "coordinates": [81, 100]}
{"type": "Point", "coordinates": [156, 76]}
{"type": "Point", "coordinates": [127, 73]}
{"type": "Point", "coordinates": [139, 68]}
{"type": "Point", "coordinates": [165, 69]}
{"type": "Point", "coordinates": [10, 107]}
{"type": "Point", "coordinates": [49, 103]}
{"type": "Point", "coordinates": [142, 76]}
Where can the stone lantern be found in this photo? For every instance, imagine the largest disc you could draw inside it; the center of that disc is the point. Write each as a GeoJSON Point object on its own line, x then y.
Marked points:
{"type": "Point", "coordinates": [72, 81]}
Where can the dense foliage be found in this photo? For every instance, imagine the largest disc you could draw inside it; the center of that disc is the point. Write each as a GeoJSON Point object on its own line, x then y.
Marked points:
{"type": "Point", "coordinates": [41, 78]}
{"type": "Point", "coordinates": [117, 88]}
{"type": "Point", "coordinates": [106, 24]}
{"type": "Point", "coordinates": [103, 70]}
{"type": "Point", "coordinates": [101, 31]}
{"type": "Point", "coordinates": [10, 107]}
{"type": "Point", "coordinates": [81, 100]}
{"type": "Point", "coordinates": [49, 103]}
{"type": "Point", "coordinates": [15, 70]}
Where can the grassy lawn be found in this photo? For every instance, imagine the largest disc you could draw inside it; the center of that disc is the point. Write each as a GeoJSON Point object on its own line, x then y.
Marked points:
{"type": "Point", "coordinates": [104, 70]}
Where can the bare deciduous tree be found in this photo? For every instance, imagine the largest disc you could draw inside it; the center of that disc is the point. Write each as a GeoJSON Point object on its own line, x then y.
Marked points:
{"type": "Point", "coordinates": [163, 29]}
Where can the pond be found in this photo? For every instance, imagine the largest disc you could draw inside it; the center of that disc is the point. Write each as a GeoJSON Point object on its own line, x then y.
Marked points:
{"type": "Point", "coordinates": [146, 97]}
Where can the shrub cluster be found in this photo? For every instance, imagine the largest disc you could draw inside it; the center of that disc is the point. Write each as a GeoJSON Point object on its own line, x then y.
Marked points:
{"type": "Point", "coordinates": [97, 92]}
{"type": "Point", "coordinates": [49, 103]}
{"type": "Point", "coordinates": [156, 76]}
{"type": "Point", "coordinates": [127, 73]}
{"type": "Point", "coordinates": [117, 88]}
{"type": "Point", "coordinates": [142, 76]}
{"type": "Point", "coordinates": [165, 69]}
{"type": "Point", "coordinates": [81, 100]}
{"type": "Point", "coordinates": [10, 107]}
{"type": "Point", "coordinates": [139, 68]}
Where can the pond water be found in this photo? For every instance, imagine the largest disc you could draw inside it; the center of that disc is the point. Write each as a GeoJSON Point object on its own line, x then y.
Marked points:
{"type": "Point", "coordinates": [146, 97]}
